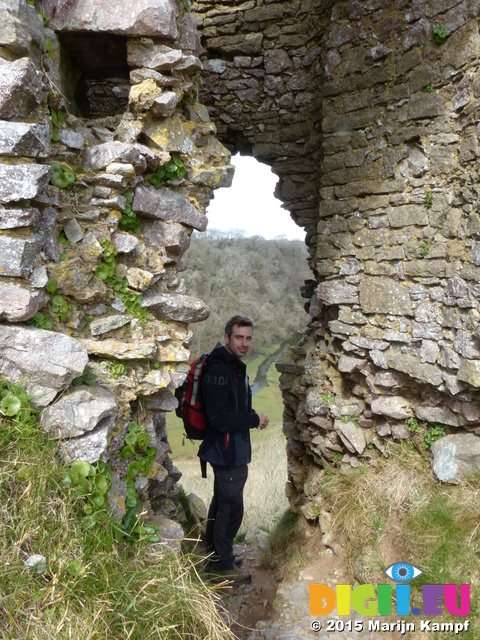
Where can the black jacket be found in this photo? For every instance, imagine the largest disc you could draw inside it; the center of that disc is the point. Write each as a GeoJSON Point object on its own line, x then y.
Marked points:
{"type": "Point", "coordinates": [227, 402]}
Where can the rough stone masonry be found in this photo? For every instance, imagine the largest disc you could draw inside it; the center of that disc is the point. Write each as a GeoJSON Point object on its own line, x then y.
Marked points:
{"type": "Point", "coordinates": [117, 123]}
{"type": "Point", "coordinates": [368, 112]}
{"type": "Point", "coordinates": [107, 163]}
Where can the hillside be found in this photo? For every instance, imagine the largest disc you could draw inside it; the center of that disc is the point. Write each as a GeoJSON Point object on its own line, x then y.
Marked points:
{"type": "Point", "coordinates": [248, 276]}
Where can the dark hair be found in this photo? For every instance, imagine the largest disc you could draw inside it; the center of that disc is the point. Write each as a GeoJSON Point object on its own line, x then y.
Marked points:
{"type": "Point", "coordinates": [240, 321]}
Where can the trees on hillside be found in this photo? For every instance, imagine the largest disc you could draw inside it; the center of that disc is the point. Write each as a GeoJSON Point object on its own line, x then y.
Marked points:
{"type": "Point", "coordinates": [249, 276]}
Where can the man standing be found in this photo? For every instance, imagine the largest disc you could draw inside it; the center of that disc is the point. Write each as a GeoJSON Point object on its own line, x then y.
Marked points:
{"type": "Point", "coordinates": [227, 402]}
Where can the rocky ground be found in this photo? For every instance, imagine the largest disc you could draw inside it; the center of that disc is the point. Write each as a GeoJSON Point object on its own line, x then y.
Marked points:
{"type": "Point", "coordinates": [276, 605]}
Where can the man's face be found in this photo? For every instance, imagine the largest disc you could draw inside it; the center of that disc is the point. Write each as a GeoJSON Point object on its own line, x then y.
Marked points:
{"type": "Point", "coordinates": [240, 340]}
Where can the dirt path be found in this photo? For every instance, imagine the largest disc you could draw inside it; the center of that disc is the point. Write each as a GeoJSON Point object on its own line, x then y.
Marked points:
{"type": "Point", "coordinates": [276, 605]}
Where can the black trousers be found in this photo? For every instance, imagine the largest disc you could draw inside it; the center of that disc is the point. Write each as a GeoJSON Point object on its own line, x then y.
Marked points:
{"type": "Point", "coordinates": [225, 514]}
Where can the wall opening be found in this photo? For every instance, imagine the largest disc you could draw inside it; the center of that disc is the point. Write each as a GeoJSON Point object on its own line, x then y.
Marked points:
{"type": "Point", "coordinates": [250, 205]}
{"type": "Point", "coordinates": [102, 84]}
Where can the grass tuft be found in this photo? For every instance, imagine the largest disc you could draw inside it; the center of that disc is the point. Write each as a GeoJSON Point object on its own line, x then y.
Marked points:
{"type": "Point", "coordinates": [398, 512]}
{"type": "Point", "coordinates": [96, 585]}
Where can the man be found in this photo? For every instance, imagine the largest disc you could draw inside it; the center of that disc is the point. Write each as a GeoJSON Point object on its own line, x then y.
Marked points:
{"type": "Point", "coordinates": [227, 402]}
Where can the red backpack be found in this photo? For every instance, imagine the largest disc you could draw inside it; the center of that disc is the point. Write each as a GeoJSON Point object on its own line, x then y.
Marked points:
{"type": "Point", "coordinates": [190, 408]}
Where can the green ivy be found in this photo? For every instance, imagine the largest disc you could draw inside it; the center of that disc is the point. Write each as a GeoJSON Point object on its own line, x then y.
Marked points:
{"type": "Point", "coordinates": [428, 200]}
{"type": "Point", "coordinates": [60, 307]}
{"type": "Point", "coordinates": [62, 177]}
{"type": "Point", "coordinates": [107, 267]}
{"type": "Point", "coordinates": [48, 53]}
{"type": "Point", "coordinates": [425, 249]}
{"type": "Point", "coordinates": [174, 169]}
{"type": "Point", "coordinates": [129, 221]}
{"type": "Point", "coordinates": [439, 34]}
{"type": "Point", "coordinates": [136, 447]}
{"type": "Point", "coordinates": [62, 238]}
{"type": "Point", "coordinates": [51, 285]}
{"type": "Point", "coordinates": [15, 404]}
{"type": "Point", "coordinates": [432, 434]}
{"type": "Point", "coordinates": [427, 435]}
{"type": "Point", "coordinates": [106, 271]}
{"type": "Point", "coordinates": [57, 116]}
{"type": "Point", "coordinates": [116, 369]}
{"type": "Point", "coordinates": [41, 321]}
{"type": "Point", "coordinates": [92, 483]}
{"type": "Point", "coordinates": [413, 425]}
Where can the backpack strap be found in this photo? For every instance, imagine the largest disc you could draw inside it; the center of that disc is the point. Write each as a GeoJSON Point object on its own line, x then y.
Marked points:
{"type": "Point", "coordinates": [203, 467]}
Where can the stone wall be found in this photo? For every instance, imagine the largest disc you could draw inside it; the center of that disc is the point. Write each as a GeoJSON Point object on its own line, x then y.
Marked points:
{"type": "Point", "coordinates": [377, 103]}
{"type": "Point", "coordinates": [92, 105]}
{"type": "Point", "coordinates": [368, 113]}
{"type": "Point", "coordinates": [260, 84]}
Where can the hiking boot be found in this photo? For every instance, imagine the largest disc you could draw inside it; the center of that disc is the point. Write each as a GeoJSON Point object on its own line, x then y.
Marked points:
{"type": "Point", "coordinates": [233, 575]}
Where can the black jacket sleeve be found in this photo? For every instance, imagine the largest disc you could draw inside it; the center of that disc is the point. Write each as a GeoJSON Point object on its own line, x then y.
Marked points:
{"type": "Point", "coordinates": [221, 408]}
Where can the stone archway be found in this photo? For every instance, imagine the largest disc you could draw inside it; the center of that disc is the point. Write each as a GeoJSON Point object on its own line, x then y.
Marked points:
{"type": "Point", "coordinates": [260, 84]}
{"type": "Point", "coordinates": [367, 112]}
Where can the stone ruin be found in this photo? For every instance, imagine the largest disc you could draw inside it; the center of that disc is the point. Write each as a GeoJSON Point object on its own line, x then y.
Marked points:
{"type": "Point", "coordinates": [118, 120]}
{"type": "Point", "coordinates": [368, 112]}
{"type": "Point", "coordinates": [108, 161]}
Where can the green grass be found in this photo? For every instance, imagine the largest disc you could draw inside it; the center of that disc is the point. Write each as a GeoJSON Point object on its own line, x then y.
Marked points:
{"type": "Point", "coordinates": [398, 512]}
{"type": "Point", "coordinates": [97, 583]}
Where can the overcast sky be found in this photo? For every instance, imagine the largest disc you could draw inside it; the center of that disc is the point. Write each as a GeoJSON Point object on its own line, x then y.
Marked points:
{"type": "Point", "coordinates": [249, 203]}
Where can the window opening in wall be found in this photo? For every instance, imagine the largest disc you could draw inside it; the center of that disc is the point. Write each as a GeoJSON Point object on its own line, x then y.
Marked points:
{"type": "Point", "coordinates": [249, 205]}
{"type": "Point", "coordinates": [102, 83]}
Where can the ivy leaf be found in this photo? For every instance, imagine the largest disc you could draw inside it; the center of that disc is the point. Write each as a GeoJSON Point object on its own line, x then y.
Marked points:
{"type": "Point", "coordinates": [81, 467]}
{"type": "Point", "coordinates": [11, 405]}
{"type": "Point", "coordinates": [51, 285]}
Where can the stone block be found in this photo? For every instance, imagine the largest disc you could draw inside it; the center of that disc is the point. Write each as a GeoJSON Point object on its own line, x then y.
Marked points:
{"type": "Point", "coordinates": [353, 437]}
{"type": "Point", "coordinates": [139, 279]}
{"type": "Point", "coordinates": [172, 236]}
{"type": "Point", "coordinates": [140, 156]}
{"type": "Point", "coordinates": [18, 302]}
{"type": "Point", "coordinates": [125, 242]}
{"type": "Point", "coordinates": [158, 57]}
{"type": "Point", "coordinates": [384, 295]}
{"type": "Point", "coordinates": [456, 457]}
{"type": "Point", "coordinates": [396, 407]}
{"type": "Point", "coordinates": [46, 361]}
{"type": "Point", "coordinates": [243, 44]}
{"type": "Point", "coordinates": [174, 306]}
{"type": "Point", "coordinates": [82, 410]}
{"type": "Point", "coordinates": [14, 218]}
{"type": "Point", "coordinates": [120, 350]}
{"type": "Point", "coordinates": [469, 371]}
{"type": "Point", "coordinates": [139, 18]}
{"type": "Point", "coordinates": [21, 30]}
{"type": "Point", "coordinates": [22, 181]}
{"type": "Point", "coordinates": [413, 367]}
{"type": "Point", "coordinates": [108, 323]}
{"type": "Point", "coordinates": [18, 253]}
{"type": "Point", "coordinates": [162, 401]}
{"type": "Point", "coordinates": [166, 204]}
{"type": "Point", "coordinates": [23, 139]}
{"type": "Point", "coordinates": [337, 292]}
{"type": "Point", "coordinates": [407, 215]}
{"type": "Point", "coordinates": [21, 88]}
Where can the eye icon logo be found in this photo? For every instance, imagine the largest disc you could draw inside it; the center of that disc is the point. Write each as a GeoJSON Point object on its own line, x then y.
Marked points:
{"type": "Point", "coordinates": [402, 572]}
